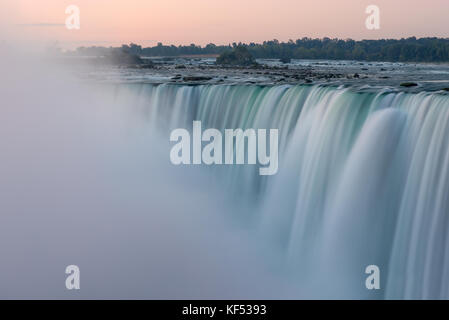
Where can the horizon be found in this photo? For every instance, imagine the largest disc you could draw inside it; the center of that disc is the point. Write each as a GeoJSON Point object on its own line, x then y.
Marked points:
{"type": "Point", "coordinates": [110, 23]}
{"type": "Point", "coordinates": [260, 43]}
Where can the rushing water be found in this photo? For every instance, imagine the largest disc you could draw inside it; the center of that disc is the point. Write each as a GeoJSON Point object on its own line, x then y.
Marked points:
{"type": "Point", "coordinates": [363, 178]}
{"type": "Point", "coordinates": [86, 180]}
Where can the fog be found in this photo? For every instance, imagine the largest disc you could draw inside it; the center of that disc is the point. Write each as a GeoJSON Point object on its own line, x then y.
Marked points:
{"type": "Point", "coordinates": [86, 181]}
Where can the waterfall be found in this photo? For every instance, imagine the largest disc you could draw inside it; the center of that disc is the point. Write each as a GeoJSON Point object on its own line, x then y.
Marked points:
{"type": "Point", "coordinates": [363, 178]}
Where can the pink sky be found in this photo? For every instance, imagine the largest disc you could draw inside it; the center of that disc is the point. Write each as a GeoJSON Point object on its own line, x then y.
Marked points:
{"type": "Point", "coordinates": [146, 22]}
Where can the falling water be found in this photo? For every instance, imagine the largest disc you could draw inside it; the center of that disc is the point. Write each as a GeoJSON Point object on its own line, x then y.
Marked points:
{"type": "Point", "coordinates": [363, 178]}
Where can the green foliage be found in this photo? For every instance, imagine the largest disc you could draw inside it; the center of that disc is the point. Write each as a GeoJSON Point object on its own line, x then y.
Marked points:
{"type": "Point", "coordinates": [121, 56]}
{"type": "Point", "coordinates": [403, 50]}
{"type": "Point", "coordinates": [239, 56]}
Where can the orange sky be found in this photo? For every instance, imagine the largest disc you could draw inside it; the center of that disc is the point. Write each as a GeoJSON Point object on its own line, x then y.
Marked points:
{"type": "Point", "coordinates": [112, 22]}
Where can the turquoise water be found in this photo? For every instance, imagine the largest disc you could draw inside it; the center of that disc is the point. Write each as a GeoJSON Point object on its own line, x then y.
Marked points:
{"type": "Point", "coordinates": [363, 178]}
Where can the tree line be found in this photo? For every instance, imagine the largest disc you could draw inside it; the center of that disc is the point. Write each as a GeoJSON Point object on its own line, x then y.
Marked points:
{"type": "Point", "coordinates": [395, 50]}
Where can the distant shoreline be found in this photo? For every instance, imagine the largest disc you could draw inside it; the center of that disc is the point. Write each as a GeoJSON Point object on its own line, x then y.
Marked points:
{"type": "Point", "coordinates": [414, 50]}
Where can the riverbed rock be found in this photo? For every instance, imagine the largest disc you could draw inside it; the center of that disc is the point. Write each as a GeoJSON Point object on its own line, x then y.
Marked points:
{"type": "Point", "coordinates": [408, 84]}
{"type": "Point", "coordinates": [196, 78]}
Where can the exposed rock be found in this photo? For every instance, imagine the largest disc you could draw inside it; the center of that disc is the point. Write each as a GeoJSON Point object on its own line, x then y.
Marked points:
{"type": "Point", "coordinates": [146, 66]}
{"type": "Point", "coordinates": [285, 60]}
{"type": "Point", "coordinates": [196, 78]}
{"type": "Point", "coordinates": [409, 84]}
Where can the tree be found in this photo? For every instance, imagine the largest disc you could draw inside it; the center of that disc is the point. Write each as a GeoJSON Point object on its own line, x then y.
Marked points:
{"type": "Point", "coordinates": [239, 56]}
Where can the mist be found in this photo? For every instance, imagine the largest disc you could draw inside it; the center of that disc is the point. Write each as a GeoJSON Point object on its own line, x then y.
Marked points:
{"type": "Point", "coordinates": [87, 181]}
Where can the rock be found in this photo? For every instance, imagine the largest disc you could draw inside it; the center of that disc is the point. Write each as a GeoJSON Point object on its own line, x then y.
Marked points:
{"type": "Point", "coordinates": [409, 84]}
{"type": "Point", "coordinates": [146, 66]}
{"type": "Point", "coordinates": [285, 59]}
{"type": "Point", "coordinates": [196, 78]}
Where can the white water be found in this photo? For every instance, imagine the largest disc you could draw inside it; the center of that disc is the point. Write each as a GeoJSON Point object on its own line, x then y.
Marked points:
{"type": "Point", "coordinates": [363, 179]}
{"type": "Point", "coordinates": [86, 180]}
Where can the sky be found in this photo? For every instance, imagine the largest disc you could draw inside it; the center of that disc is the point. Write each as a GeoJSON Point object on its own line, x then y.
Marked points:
{"type": "Point", "coordinates": [146, 22]}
